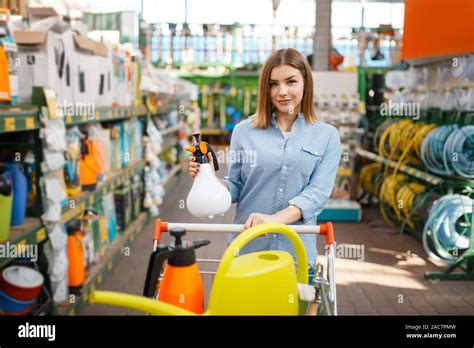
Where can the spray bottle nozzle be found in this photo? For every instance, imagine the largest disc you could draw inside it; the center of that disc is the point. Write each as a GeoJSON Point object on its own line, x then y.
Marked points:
{"type": "Point", "coordinates": [178, 233]}
{"type": "Point", "coordinates": [197, 137]}
{"type": "Point", "coordinates": [201, 243]}
{"type": "Point", "coordinates": [201, 149]}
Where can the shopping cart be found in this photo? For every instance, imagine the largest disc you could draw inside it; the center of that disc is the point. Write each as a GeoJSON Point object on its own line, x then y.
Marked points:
{"type": "Point", "coordinates": [323, 303]}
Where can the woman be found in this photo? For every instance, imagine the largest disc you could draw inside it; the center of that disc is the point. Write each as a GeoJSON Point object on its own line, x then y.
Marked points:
{"type": "Point", "coordinates": [294, 156]}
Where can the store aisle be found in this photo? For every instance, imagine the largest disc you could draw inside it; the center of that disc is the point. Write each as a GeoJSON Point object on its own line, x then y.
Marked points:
{"type": "Point", "coordinates": [387, 281]}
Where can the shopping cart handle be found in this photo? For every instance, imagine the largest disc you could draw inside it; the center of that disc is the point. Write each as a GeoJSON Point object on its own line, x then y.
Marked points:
{"type": "Point", "coordinates": [160, 226]}
{"type": "Point", "coordinates": [326, 229]}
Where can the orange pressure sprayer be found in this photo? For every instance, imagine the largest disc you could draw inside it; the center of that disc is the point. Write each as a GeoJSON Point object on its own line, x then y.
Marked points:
{"type": "Point", "coordinates": [182, 284]}
{"type": "Point", "coordinates": [75, 254]}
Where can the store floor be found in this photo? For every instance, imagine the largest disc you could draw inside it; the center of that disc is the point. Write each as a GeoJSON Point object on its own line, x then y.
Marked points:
{"type": "Point", "coordinates": [389, 280]}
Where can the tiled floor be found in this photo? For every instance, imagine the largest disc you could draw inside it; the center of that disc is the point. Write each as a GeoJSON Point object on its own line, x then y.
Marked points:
{"type": "Point", "coordinates": [388, 281]}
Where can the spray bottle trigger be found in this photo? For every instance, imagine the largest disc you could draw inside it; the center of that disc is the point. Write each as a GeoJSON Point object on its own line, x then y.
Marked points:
{"type": "Point", "coordinates": [191, 149]}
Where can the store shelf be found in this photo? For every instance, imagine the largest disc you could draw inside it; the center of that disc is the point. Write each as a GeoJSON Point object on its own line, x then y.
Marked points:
{"type": "Point", "coordinates": [216, 131]}
{"type": "Point", "coordinates": [171, 174]}
{"type": "Point", "coordinates": [99, 272]}
{"type": "Point", "coordinates": [86, 199]}
{"type": "Point", "coordinates": [105, 114]}
{"type": "Point", "coordinates": [402, 168]}
{"type": "Point", "coordinates": [18, 119]}
{"type": "Point", "coordinates": [31, 233]}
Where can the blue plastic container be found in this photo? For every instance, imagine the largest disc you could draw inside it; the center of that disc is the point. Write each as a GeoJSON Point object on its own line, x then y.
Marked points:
{"type": "Point", "coordinates": [20, 193]}
{"type": "Point", "coordinates": [10, 305]}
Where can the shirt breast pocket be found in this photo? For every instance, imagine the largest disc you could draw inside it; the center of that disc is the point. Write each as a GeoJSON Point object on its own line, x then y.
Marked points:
{"type": "Point", "coordinates": [311, 156]}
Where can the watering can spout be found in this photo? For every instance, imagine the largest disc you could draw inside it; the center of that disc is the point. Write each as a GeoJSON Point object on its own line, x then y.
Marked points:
{"type": "Point", "coordinates": [138, 303]}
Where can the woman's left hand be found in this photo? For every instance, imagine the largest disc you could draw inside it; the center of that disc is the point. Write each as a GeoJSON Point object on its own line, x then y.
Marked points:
{"type": "Point", "coordinates": [257, 218]}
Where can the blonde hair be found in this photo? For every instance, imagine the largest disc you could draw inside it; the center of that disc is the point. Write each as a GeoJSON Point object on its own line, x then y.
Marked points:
{"type": "Point", "coordinates": [292, 57]}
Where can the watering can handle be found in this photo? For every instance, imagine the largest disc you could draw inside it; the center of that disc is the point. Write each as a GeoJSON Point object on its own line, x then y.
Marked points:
{"type": "Point", "coordinates": [260, 230]}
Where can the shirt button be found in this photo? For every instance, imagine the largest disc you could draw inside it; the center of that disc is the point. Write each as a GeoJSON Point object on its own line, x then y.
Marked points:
{"type": "Point", "coordinates": [281, 190]}
{"type": "Point", "coordinates": [282, 147]}
{"type": "Point", "coordinates": [284, 167]}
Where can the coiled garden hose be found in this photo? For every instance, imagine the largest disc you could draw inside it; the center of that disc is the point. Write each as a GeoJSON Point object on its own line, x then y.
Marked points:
{"type": "Point", "coordinates": [447, 230]}
{"type": "Point", "coordinates": [402, 140]}
{"type": "Point", "coordinates": [459, 151]}
{"type": "Point", "coordinates": [432, 150]}
{"type": "Point", "coordinates": [449, 150]}
{"type": "Point", "coordinates": [371, 178]}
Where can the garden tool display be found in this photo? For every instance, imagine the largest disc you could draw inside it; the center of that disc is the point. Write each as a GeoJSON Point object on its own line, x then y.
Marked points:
{"type": "Point", "coordinates": [181, 285]}
{"type": "Point", "coordinates": [206, 184]}
{"type": "Point", "coordinates": [261, 283]}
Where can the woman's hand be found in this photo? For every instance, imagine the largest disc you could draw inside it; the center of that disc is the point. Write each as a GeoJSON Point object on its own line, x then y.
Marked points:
{"type": "Point", "coordinates": [257, 218]}
{"type": "Point", "coordinates": [194, 166]}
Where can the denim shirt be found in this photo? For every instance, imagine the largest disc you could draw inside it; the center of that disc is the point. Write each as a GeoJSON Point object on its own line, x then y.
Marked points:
{"type": "Point", "coordinates": [268, 173]}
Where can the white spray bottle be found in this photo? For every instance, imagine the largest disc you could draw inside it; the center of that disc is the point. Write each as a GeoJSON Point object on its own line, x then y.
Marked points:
{"type": "Point", "coordinates": [208, 197]}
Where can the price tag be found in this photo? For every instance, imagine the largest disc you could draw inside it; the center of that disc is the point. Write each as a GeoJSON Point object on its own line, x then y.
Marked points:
{"type": "Point", "coordinates": [30, 123]}
{"type": "Point", "coordinates": [40, 235]}
{"type": "Point", "coordinates": [9, 124]}
{"type": "Point", "coordinates": [51, 103]}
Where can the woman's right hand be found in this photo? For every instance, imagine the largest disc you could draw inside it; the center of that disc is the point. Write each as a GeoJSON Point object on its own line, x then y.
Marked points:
{"type": "Point", "coordinates": [193, 166]}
